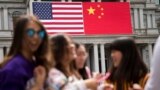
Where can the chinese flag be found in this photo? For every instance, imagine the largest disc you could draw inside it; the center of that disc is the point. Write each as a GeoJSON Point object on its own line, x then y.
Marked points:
{"type": "Point", "coordinates": [107, 18]}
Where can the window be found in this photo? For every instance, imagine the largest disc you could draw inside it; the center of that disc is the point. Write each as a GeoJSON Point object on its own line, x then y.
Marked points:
{"type": "Point", "coordinates": [108, 61]}
{"type": "Point", "coordinates": [15, 16]}
{"type": "Point", "coordinates": [152, 21]}
{"type": "Point", "coordinates": [4, 51]}
{"type": "Point", "coordinates": [132, 17]}
{"type": "Point", "coordinates": [145, 20]}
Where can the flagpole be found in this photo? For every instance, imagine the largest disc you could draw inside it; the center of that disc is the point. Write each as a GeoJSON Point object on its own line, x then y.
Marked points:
{"type": "Point", "coordinates": [31, 7]}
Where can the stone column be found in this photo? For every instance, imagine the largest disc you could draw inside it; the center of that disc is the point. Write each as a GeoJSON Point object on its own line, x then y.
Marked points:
{"type": "Point", "coordinates": [141, 18]}
{"type": "Point", "coordinates": [1, 54]}
{"type": "Point", "coordinates": [153, 21]}
{"type": "Point", "coordinates": [96, 58]}
{"type": "Point", "coordinates": [5, 18]}
{"type": "Point", "coordinates": [1, 18]}
{"type": "Point", "coordinates": [30, 6]}
{"type": "Point", "coordinates": [150, 52]}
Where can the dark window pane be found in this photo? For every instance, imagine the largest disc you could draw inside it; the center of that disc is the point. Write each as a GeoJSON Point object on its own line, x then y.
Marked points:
{"type": "Point", "coordinates": [15, 16]}
{"type": "Point", "coordinates": [4, 51]}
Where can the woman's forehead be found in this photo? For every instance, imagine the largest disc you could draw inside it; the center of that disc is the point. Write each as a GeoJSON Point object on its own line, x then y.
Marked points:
{"type": "Point", "coordinates": [33, 25]}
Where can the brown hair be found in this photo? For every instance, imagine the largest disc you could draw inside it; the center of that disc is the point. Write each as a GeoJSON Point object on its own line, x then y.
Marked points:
{"type": "Point", "coordinates": [59, 45]}
{"type": "Point", "coordinates": [81, 71]}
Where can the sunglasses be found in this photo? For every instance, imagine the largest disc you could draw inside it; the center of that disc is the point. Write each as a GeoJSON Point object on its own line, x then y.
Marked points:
{"type": "Point", "coordinates": [31, 32]}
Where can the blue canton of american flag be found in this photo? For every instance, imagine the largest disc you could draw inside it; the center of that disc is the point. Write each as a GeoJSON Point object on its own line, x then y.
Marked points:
{"type": "Point", "coordinates": [58, 17]}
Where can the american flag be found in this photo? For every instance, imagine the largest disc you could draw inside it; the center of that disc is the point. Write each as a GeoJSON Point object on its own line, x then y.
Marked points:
{"type": "Point", "coordinates": [59, 17]}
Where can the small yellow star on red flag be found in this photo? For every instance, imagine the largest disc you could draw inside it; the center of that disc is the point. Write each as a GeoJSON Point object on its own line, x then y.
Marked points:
{"type": "Point", "coordinates": [91, 11]}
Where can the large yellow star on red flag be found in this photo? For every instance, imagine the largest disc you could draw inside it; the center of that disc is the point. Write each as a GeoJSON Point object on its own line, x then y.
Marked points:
{"type": "Point", "coordinates": [91, 11]}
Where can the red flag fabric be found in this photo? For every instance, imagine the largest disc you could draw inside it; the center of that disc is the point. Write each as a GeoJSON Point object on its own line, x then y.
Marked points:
{"type": "Point", "coordinates": [107, 18]}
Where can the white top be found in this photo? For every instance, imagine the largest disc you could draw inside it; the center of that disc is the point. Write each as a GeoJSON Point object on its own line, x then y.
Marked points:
{"type": "Point", "coordinates": [58, 81]}
{"type": "Point", "coordinates": [154, 80]}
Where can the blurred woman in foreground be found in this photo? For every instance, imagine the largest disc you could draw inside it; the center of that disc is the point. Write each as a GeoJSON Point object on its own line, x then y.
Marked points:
{"type": "Point", "coordinates": [29, 49]}
{"type": "Point", "coordinates": [154, 80]}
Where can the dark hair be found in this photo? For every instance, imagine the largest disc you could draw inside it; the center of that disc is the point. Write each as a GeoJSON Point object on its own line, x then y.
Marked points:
{"type": "Point", "coordinates": [81, 71]}
{"type": "Point", "coordinates": [131, 68]}
{"type": "Point", "coordinates": [59, 45]}
{"type": "Point", "coordinates": [41, 55]}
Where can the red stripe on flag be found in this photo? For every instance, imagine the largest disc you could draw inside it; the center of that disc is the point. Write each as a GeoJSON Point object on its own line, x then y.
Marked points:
{"type": "Point", "coordinates": [68, 13]}
{"type": "Point", "coordinates": [72, 33]}
{"type": "Point", "coordinates": [56, 8]}
{"type": "Point", "coordinates": [73, 3]}
{"type": "Point", "coordinates": [67, 18]}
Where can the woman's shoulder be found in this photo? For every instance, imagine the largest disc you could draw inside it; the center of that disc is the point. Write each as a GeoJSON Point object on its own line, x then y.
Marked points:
{"type": "Point", "coordinates": [56, 79]}
{"type": "Point", "coordinates": [56, 74]}
{"type": "Point", "coordinates": [14, 62]}
{"type": "Point", "coordinates": [17, 64]}
{"type": "Point", "coordinates": [54, 71]}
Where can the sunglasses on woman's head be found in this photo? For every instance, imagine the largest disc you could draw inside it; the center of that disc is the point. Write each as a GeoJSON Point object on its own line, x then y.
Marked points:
{"type": "Point", "coordinates": [31, 32]}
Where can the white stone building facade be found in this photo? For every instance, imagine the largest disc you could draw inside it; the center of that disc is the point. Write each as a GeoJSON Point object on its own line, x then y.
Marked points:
{"type": "Point", "coordinates": [145, 17]}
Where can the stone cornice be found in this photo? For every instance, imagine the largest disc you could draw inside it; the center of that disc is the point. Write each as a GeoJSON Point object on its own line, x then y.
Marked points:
{"type": "Point", "coordinates": [12, 1]}
{"type": "Point", "coordinates": [6, 35]}
{"type": "Point", "coordinates": [95, 39]}
{"type": "Point", "coordinates": [137, 1]}
{"type": "Point", "coordinates": [13, 5]}
{"type": "Point", "coordinates": [109, 38]}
